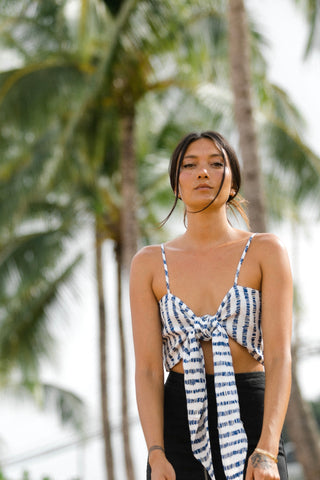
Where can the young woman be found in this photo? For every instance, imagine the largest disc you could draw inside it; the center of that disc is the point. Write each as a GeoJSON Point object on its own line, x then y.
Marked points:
{"type": "Point", "coordinates": [215, 306]}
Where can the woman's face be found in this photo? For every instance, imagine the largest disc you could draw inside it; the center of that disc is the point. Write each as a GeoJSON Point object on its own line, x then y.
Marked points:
{"type": "Point", "coordinates": [201, 174]}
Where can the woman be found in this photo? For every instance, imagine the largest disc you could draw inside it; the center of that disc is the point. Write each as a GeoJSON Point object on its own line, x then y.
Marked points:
{"type": "Point", "coordinates": [215, 305]}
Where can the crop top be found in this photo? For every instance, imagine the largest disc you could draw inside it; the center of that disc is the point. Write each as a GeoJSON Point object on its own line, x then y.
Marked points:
{"type": "Point", "coordinates": [238, 317]}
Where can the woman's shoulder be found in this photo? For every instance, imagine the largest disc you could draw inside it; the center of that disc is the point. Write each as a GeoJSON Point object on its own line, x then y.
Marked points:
{"type": "Point", "coordinates": [146, 257]}
{"type": "Point", "coordinates": [268, 241]}
{"type": "Point", "coordinates": [147, 252]}
{"type": "Point", "coordinates": [269, 247]}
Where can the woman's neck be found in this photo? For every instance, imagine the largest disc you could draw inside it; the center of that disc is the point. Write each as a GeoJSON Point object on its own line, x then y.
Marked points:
{"type": "Point", "coordinates": [208, 228]}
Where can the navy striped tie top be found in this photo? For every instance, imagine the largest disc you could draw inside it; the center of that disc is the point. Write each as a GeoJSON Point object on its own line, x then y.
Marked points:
{"type": "Point", "coordinates": [238, 317]}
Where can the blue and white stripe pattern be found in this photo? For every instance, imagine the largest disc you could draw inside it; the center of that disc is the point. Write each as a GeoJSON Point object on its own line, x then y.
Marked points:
{"type": "Point", "coordinates": [238, 317]}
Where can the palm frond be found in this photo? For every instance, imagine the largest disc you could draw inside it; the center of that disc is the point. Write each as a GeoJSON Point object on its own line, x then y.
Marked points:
{"type": "Point", "coordinates": [49, 397]}
{"type": "Point", "coordinates": [294, 156]}
{"type": "Point", "coordinates": [25, 335]}
{"type": "Point", "coordinates": [311, 11]}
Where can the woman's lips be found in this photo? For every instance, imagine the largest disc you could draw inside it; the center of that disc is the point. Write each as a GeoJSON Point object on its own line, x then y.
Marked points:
{"type": "Point", "coordinates": [203, 187]}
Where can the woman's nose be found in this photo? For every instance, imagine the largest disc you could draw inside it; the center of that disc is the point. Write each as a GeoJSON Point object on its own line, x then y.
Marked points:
{"type": "Point", "coordinates": [203, 173]}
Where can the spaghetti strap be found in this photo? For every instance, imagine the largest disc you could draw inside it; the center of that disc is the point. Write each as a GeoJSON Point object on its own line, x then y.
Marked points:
{"type": "Point", "coordinates": [242, 258]}
{"type": "Point", "coordinates": [165, 267]}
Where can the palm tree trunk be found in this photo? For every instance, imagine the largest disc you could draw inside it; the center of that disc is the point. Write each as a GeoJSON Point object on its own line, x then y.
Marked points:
{"type": "Point", "coordinates": [302, 429]}
{"type": "Point", "coordinates": [126, 249]}
{"type": "Point", "coordinates": [108, 453]}
{"type": "Point", "coordinates": [129, 226]}
{"type": "Point", "coordinates": [124, 376]}
{"type": "Point", "coordinates": [239, 54]}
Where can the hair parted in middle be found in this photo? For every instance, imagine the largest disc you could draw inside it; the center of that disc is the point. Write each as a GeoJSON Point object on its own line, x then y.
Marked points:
{"type": "Point", "coordinates": [226, 151]}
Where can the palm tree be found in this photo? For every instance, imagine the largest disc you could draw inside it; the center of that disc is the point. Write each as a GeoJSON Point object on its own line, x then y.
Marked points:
{"type": "Point", "coordinates": [27, 294]}
{"type": "Point", "coordinates": [300, 421]}
{"type": "Point", "coordinates": [27, 167]}
{"type": "Point", "coordinates": [108, 453]}
{"type": "Point", "coordinates": [62, 138]}
{"type": "Point", "coordinates": [240, 73]}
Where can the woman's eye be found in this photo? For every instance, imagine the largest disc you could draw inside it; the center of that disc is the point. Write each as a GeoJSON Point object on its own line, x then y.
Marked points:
{"type": "Point", "coordinates": [188, 165]}
{"type": "Point", "coordinates": [217, 164]}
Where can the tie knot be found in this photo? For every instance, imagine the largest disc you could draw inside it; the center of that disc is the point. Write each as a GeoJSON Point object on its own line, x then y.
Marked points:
{"type": "Point", "coordinates": [205, 326]}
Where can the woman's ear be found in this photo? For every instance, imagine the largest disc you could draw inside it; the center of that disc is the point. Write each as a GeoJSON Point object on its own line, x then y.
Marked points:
{"type": "Point", "coordinates": [233, 192]}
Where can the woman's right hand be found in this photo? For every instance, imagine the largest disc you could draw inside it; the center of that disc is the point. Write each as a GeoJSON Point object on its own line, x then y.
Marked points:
{"type": "Point", "coordinates": [161, 469]}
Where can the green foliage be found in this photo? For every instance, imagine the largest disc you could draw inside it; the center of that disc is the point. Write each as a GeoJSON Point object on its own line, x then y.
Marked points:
{"type": "Point", "coordinates": [44, 20]}
{"type": "Point", "coordinates": [311, 11]}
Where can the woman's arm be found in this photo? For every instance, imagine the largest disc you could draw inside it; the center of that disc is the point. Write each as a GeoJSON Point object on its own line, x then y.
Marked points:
{"type": "Point", "coordinates": [276, 330]}
{"type": "Point", "coordinates": [149, 376]}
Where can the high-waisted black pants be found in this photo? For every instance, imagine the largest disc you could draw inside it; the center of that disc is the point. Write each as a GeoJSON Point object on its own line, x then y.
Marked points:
{"type": "Point", "coordinates": [176, 428]}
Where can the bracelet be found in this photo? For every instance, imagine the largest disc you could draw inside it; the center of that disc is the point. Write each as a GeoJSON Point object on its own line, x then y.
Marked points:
{"type": "Point", "coordinates": [155, 447]}
{"type": "Point", "coordinates": [267, 454]}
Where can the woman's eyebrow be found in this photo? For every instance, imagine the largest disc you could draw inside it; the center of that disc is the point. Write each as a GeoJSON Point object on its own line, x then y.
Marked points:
{"type": "Point", "coordinates": [212, 155]}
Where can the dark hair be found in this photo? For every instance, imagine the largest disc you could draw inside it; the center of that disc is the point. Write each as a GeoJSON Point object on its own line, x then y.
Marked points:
{"type": "Point", "coordinates": [225, 148]}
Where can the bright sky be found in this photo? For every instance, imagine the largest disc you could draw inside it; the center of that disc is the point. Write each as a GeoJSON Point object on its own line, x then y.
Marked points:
{"type": "Point", "coordinates": [23, 430]}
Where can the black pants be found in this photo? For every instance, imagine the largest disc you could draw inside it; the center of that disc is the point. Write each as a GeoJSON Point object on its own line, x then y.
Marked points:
{"type": "Point", "coordinates": [176, 428]}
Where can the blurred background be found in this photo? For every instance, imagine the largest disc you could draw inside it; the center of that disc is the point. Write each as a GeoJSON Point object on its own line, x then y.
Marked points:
{"type": "Point", "coordinates": [94, 96]}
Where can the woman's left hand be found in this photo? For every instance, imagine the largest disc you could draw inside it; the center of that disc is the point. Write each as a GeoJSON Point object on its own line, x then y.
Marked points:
{"type": "Point", "coordinates": [261, 467]}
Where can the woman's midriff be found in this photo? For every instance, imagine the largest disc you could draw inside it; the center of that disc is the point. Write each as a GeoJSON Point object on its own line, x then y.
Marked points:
{"type": "Point", "coordinates": [242, 360]}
